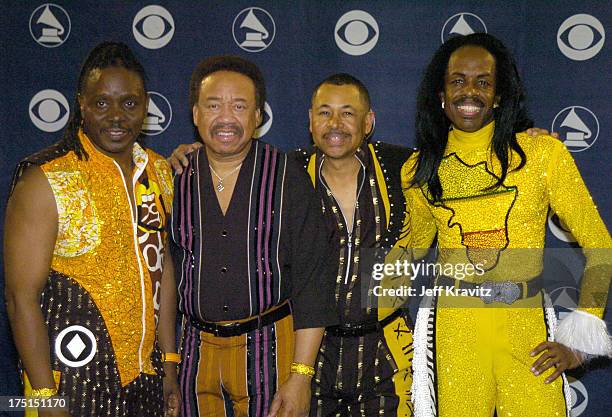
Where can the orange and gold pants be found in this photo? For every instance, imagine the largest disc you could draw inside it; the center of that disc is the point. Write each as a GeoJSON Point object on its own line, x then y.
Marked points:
{"type": "Point", "coordinates": [244, 370]}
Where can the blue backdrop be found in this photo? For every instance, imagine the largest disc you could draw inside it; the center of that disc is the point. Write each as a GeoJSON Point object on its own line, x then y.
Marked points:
{"type": "Point", "coordinates": [560, 46]}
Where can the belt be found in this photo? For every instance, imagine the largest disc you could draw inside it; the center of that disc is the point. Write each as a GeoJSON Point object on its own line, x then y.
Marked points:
{"type": "Point", "coordinates": [361, 329]}
{"type": "Point", "coordinates": [500, 291]}
{"type": "Point", "coordinates": [236, 329]}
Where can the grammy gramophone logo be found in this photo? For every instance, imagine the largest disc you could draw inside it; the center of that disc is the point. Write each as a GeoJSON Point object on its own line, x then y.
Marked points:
{"type": "Point", "coordinates": [578, 127]}
{"type": "Point", "coordinates": [253, 29]}
{"type": "Point", "coordinates": [159, 115]}
{"type": "Point", "coordinates": [462, 24]}
{"type": "Point", "coordinates": [50, 25]}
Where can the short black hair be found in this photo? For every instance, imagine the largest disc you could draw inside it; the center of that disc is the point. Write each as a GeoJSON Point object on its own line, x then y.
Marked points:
{"type": "Point", "coordinates": [227, 63]}
{"type": "Point", "coordinates": [104, 55]}
{"type": "Point", "coordinates": [345, 79]}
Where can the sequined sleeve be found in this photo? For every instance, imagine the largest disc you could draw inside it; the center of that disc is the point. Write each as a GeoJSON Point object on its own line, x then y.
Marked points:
{"type": "Point", "coordinates": [417, 234]}
{"type": "Point", "coordinates": [570, 199]}
{"type": "Point", "coordinates": [419, 222]}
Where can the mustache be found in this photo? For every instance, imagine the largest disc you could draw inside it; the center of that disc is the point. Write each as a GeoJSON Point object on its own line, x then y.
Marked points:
{"type": "Point", "coordinates": [116, 124]}
{"type": "Point", "coordinates": [335, 132]}
{"type": "Point", "coordinates": [235, 128]}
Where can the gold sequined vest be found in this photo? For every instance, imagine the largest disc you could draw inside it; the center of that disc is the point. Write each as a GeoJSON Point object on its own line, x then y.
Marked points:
{"type": "Point", "coordinates": [106, 266]}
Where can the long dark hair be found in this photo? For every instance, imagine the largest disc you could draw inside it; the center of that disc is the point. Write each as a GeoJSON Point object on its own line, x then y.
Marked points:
{"type": "Point", "coordinates": [432, 124]}
{"type": "Point", "coordinates": [104, 55]}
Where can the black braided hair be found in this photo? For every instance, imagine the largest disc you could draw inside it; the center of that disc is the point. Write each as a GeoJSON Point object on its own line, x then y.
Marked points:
{"type": "Point", "coordinates": [104, 55]}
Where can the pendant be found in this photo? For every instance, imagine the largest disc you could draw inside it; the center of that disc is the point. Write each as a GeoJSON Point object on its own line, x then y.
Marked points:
{"type": "Point", "coordinates": [220, 187]}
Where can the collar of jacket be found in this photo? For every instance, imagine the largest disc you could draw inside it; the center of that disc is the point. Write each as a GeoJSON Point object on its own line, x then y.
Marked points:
{"type": "Point", "coordinates": [367, 156]}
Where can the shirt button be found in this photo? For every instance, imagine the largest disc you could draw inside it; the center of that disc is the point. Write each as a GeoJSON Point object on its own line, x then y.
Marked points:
{"type": "Point", "coordinates": [224, 233]}
{"type": "Point", "coordinates": [223, 270]}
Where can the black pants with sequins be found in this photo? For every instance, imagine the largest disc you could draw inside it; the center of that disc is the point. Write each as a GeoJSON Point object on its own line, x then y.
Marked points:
{"type": "Point", "coordinates": [143, 397]}
{"type": "Point", "coordinates": [365, 376]}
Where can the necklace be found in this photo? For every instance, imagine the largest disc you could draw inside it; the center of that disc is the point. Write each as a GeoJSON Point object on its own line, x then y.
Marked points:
{"type": "Point", "coordinates": [220, 186]}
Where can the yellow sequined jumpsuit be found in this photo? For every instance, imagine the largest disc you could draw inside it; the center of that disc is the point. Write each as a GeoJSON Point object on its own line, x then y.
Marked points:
{"type": "Point", "coordinates": [479, 358]}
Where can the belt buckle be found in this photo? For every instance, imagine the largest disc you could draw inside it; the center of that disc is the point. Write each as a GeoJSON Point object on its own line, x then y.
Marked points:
{"type": "Point", "coordinates": [348, 330]}
{"type": "Point", "coordinates": [505, 292]}
{"type": "Point", "coordinates": [357, 331]}
{"type": "Point", "coordinates": [352, 330]}
{"type": "Point", "coordinates": [509, 292]}
{"type": "Point", "coordinates": [229, 327]}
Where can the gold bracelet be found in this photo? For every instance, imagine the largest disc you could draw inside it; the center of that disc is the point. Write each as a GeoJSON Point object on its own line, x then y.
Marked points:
{"type": "Point", "coordinates": [171, 357]}
{"type": "Point", "coordinates": [43, 392]}
{"type": "Point", "coordinates": [302, 369]}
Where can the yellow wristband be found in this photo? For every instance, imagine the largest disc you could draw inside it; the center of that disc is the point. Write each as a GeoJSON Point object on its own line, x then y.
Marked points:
{"type": "Point", "coordinates": [43, 392]}
{"type": "Point", "coordinates": [171, 357]}
{"type": "Point", "coordinates": [302, 369]}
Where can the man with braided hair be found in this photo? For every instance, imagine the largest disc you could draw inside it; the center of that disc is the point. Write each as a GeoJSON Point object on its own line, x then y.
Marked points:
{"type": "Point", "coordinates": [88, 283]}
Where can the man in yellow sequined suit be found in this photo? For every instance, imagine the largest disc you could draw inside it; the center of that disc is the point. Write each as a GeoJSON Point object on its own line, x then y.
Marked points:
{"type": "Point", "coordinates": [86, 287]}
{"type": "Point", "coordinates": [485, 189]}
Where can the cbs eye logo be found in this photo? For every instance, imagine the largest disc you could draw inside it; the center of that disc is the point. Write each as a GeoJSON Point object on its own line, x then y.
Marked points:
{"type": "Point", "coordinates": [49, 110]}
{"type": "Point", "coordinates": [153, 27]}
{"type": "Point", "coordinates": [266, 122]}
{"type": "Point", "coordinates": [356, 32]}
{"type": "Point", "coordinates": [581, 37]}
{"type": "Point", "coordinates": [579, 396]}
{"type": "Point", "coordinates": [559, 229]}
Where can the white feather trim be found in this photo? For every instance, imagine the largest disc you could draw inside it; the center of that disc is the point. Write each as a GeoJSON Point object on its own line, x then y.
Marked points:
{"type": "Point", "coordinates": [553, 324]}
{"type": "Point", "coordinates": [421, 390]}
{"type": "Point", "coordinates": [584, 332]}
